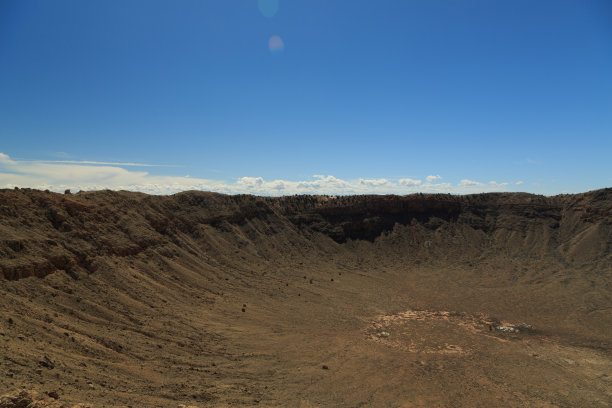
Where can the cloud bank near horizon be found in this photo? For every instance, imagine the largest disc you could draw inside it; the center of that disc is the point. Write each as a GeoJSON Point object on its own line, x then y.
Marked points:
{"type": "Point", "coordinates": [86, 176]}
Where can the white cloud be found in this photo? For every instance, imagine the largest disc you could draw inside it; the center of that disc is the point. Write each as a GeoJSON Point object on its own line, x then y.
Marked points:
{"type": "Point", "coordinates": [518, 183]}
{"type": "Point", "coordinates": [469, 183]}
{"type": "Point", "coordinates": [103, 163]}
{"type": "Point", "coordinates": [59, 176]}
{"type": "Point", "coordinates": [408, 182]}
{"type": "Point", "coordinates": [251, 182]}
{"type": "Point", "coordinates": [5, 159]}
{"type": "Point", "coordinates": [440, 188]}
{"type": "Point", "coordinates": [373, 182]}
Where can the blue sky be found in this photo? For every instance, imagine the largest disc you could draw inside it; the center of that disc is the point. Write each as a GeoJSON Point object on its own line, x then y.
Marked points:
{"type": "Point", "coordinates": [317, 96]}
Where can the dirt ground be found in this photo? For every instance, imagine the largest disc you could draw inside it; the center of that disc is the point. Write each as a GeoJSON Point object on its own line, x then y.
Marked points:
{"type": "Point", "coordinates": [130, 307]}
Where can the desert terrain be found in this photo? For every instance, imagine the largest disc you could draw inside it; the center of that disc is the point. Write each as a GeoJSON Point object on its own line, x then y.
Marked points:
{"type": "Point", "coordinates": [121, 299]}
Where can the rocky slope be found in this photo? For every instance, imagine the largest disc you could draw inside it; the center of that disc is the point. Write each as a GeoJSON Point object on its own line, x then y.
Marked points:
{"type": "Point", "coordinates": [120, 298]}
{"type": "Point", "coordinates": [44, 232]}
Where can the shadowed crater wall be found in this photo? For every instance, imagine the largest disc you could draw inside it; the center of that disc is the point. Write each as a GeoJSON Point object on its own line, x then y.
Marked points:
{"type": "Point", "coordinates": [43, 232]}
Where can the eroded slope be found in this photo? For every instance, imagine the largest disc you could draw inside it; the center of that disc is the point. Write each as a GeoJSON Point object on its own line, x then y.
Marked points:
{"type": "Point", "coordinates": [117, 299]}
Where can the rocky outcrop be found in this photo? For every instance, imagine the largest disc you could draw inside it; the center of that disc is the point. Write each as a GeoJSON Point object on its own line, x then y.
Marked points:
{"type": "Point", "coordinates": [42, 232]}
{"type": "Point", "coordinates": [33, 399]}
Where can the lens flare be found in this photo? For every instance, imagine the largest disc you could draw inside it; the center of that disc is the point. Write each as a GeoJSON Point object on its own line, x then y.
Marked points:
{"type": "Point", "coordinates": [275, 44]}
{"type": "Point", "coordinates": [268, 7]}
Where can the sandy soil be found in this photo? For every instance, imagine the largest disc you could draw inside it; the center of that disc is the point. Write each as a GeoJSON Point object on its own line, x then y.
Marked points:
{"type": "Point", "coordinates": [121, 299]}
